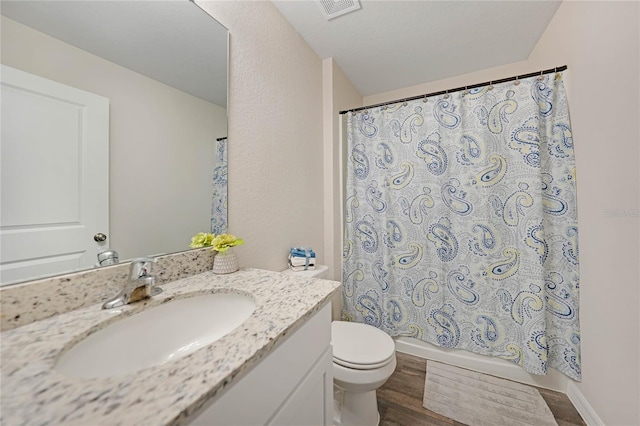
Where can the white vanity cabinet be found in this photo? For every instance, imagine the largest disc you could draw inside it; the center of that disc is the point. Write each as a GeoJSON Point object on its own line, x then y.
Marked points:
{"type": "Point", "coordinates": [293, 385]}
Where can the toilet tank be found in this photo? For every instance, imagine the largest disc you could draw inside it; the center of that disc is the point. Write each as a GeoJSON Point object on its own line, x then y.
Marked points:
{"type": "Point", "coordinates": [321, 272]}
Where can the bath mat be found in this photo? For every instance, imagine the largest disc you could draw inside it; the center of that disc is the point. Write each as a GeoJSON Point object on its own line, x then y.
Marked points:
{"type": "Point", "coordinates": [478, 399]}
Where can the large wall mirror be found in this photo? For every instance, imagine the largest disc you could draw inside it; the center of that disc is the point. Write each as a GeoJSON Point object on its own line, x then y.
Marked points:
{"type": "Point", "coordinates": [158, 70]}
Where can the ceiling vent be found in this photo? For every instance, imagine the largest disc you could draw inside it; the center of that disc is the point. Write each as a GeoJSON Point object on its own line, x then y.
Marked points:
{"type": "Point", "coordinates": [334, 8]}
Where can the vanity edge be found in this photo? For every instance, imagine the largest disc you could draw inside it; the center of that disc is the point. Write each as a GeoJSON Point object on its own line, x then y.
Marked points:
{"type": "Point", "coordinates": [168, 394]}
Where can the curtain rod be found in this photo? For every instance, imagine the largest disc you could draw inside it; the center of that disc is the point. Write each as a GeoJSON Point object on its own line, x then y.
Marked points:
{"type": "Point", "coordinates": [443, 92]}
{"type": "Point", "coordinates": [221, 139]}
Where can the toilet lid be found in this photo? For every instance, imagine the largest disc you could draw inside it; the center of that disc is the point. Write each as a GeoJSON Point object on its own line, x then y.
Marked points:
{"type": "Point", "coordinates": [360, 346]}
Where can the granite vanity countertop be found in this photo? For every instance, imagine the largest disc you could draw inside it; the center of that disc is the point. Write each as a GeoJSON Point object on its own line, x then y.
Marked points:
{"type": "Point", "coordinates": [33, 393]}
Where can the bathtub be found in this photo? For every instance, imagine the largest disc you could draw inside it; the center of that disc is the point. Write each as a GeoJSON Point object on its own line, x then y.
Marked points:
{"type": "Point", "coordinates": [482, 364]}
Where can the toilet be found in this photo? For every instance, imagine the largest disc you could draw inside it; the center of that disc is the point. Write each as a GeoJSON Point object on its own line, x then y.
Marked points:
{"type": "Point", "coordinates": [364, 358]}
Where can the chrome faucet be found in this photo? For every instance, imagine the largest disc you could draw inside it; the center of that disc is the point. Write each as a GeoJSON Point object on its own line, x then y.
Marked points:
{"type": "Point", "coordinates": [139, 286]}
{"type": "Point", "coordinates": [107, 257]}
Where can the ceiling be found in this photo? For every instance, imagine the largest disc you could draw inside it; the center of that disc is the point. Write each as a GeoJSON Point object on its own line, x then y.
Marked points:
{"type": "Point", "coordinates": [391, 44]}
{"type": "Point", "coordinates": [162, 40]}
{"type": "Point", "coordinates": [386, 45]}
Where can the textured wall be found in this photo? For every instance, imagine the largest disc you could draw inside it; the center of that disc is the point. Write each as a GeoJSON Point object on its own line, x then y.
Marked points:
{"type": "Point", "coordinates": [599, 41]}
{"type": "Point", "coordinates": [339, 94]}
{"type": "Point", "coordinates": [275, 134]}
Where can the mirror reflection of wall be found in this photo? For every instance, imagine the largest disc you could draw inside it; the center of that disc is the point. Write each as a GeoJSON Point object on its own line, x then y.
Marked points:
{"type": "Point", "coordinates": [163, 126]}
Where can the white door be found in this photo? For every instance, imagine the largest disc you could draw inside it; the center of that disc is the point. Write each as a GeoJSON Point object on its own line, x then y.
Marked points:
{"type": "Point", "coordinates": [54, 198]}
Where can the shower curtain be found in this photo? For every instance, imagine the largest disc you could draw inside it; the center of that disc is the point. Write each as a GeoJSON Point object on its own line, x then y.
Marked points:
{"type": "Point", "coordinates": [461, 223]}
{"type": "Point", "coordinates": [219, 192]}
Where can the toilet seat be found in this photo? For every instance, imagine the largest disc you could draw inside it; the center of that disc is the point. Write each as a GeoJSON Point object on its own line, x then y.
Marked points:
{"type": "Point", "coordinates": [355, 366]}
{"type": "Point", "coordinates": [360, 346]}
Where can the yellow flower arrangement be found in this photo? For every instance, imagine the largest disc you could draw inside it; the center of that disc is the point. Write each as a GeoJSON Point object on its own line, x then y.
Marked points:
{"type": "Point", "coordinates": [201, 239]}
{"type": "Point", "coordinates": [224, 242]}
{"type": "Point", "coordinates": [219, 243]}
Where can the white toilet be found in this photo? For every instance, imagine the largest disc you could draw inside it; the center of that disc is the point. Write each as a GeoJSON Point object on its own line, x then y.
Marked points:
{"type": "Point", "coordinates": [364, 358]}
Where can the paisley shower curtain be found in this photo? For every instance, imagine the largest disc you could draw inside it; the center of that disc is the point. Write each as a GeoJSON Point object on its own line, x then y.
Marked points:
{"type": "Point", "coordinates": [219, 193]}
{"type": "Point", "coordinates": [461, 223]}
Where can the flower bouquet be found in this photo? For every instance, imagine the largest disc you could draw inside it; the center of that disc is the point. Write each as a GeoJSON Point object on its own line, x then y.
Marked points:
{"type": "Point", "coordinates": [226, 261]}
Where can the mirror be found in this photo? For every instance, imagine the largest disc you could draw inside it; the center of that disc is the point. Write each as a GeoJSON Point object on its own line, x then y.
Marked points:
{"type": "Point", "coordinates": [163, 68]}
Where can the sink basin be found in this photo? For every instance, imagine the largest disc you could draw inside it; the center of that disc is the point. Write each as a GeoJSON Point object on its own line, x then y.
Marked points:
{"type": "Point", "coordinates": [156, 335]}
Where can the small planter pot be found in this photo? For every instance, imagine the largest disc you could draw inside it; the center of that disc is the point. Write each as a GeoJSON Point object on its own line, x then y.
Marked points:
{"type": "Point", "coordinates": [225, 263]}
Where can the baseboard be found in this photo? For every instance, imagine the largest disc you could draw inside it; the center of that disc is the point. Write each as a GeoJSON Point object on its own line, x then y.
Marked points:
{"type": "Point", "coordinates": [583, 407]}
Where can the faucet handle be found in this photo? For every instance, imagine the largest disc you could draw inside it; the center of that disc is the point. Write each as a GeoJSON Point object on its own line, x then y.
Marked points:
{"type": "Point", "coordinates": [141, 267]}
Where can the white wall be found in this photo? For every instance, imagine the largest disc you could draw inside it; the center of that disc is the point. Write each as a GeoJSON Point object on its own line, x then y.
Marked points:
{"type": "Point", "coordinates": [275, 134]}
{"type": "Point", "coordinates": [161, 142]}
{"type": "Point", "coordinates": [338, 94]}
{"type": "Point", "coordinates": [599, 41]}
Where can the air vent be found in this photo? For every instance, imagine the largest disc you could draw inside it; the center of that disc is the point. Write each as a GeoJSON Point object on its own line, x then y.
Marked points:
{"type": "Point", "coordinates": [334, 8]}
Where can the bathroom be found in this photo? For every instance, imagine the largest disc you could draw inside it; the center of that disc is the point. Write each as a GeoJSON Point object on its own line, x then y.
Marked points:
{"type": "Point", "coordinates": [284, 131]}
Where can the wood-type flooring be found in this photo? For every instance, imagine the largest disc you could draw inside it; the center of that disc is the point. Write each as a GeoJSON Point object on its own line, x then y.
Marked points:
{"type": "Point", "coordinates": [400, 399]}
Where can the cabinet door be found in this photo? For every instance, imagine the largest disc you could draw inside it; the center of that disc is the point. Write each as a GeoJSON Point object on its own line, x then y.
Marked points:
{"type": "Point", "coordinates": [292, 385]}
{"type": "Point", "coordinates": [311, 403]}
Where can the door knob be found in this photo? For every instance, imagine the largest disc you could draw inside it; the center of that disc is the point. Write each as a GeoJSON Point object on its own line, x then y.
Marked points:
{"type": "Point", "coordinates": [99, 237]}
